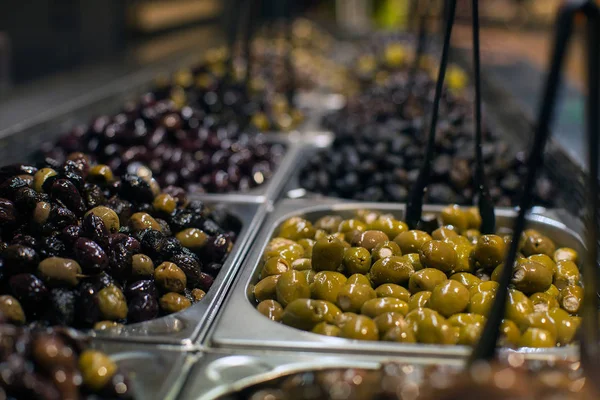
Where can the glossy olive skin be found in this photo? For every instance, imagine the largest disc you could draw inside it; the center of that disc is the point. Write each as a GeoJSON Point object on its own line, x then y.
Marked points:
{"type": "Point", "coordinates": [566, 325]}
{"type": "Point", "coordinates": [443, 232]}
{"type": "Point", "coordinates": [425, 279]}
{"type": "Point", "coordinates": [467, 279]}
{"type": "Point", "coordinates": [306, 313]}
{"type": "Point", "coordinates": [357, 260]}
{"type": "Point", "coordinates": [274, 266]}
{"type": "Point", "coordinates": [384, 250]}
{"type": "Point", "coordinates": [392, 269]}
{"type": "Point", "coordinates": [359, 327]}
{"type": "Point", "coordinates": [571, 298]}
{"type": "Point", "coordinates": [455, 216]}
{"type": "Point", "coordinates": [544, 260]}
{"type": "Point", "coordinates": [566, 274]}
{"type": "Point", "coordinates": [419, 300]}
{"type": "Point", "coordinates": [543, 301]}
{"type": "Point", "coordinates": [402, 333]}
{"type": "Point", "coordinates": [414, 259]}
{"type": "Point", "coordinates": [359, 279]}
{"type": "Point", "coordinates": [328, 223]}
{"type": "Point", "coordinates": [565, 254]}
{"type": "Point", "coordinates": [448, 298]}
{"type": "Point", "coordinates": [290, 286]}
{"type": "Point", "coordinates": [11, 309]}
{"type": "Point", "coordinates": [375, 307]}
{"type": "Point", "coordinates": [323, 328]}
{"type": "Point", "coordinates": [370, 239]}
{"type": "Point", "coordinates": [511, 335]}
{"type": "Point", "coordinates": [531, 276]}
{"type": "Point", "coordinates": [538, 245]}
{"type": "Point", "coordinates": [537, 337]}
{"type": "Point", "coordinates": [328, 254]}
{"type": "Point", "coordinates": [489, 251]}
{"type": "Point", "coordinates": [439, 255]}
{"type": "Point", "coordinates": [96, 369]}
{"type": "Point", "coordinates": [518, 307]}
{"type": "Point", "coordinates": [411, 241]}
{"type": "Point", "coordinates": [430, 327]}
{"type": "Point", "coordinates": [266, 288]}
{"type": "Point", "coordinates": [326, 285]}
{"type": "Point", "coordinates": [481, 302]}
{"type": "Point", "coordinates": [392, 290]}
{"type": "Point", "coordinates": [389, 320]}
{"type": "Point", "coordinates": [390, 226]}
{"type": "Point", "coordinates": [296, 228]}
{"type": "Point", "coordinates": [351, 297]}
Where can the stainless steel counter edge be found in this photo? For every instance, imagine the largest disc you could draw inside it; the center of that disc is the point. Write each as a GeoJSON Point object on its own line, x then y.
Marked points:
{"type": "Point", "coordinates": [241, 326]}
{"type": "Point", "coordinates": [218, 372]}
{"type": "Point", "coordinates": [185, 327]}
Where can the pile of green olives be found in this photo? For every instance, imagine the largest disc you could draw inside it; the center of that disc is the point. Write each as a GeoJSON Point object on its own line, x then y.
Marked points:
{"type": "Point", "coordinates": [371, 278]}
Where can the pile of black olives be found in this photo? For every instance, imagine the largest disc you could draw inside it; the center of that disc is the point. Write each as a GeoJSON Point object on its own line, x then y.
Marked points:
{"type": "Point", "coordinates": [82, 247]}
{"type": "Point", "coordinates": [381, 135]}
{"type": "Point", "coordinates": [369, 277]}
{"type": "Point", "coordinates": [534, 380]}
{"type": "Point", "coordinates": [52, 364]}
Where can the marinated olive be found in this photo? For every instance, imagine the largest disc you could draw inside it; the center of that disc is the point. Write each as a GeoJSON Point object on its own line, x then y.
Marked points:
{"type": "Point", "coordinates": [306, 313]}
{"type": "Point", "coordinates": [359, 279]}
{"type": "Point", "coordinates": [415, 260]}
{"type": "Point", "coordinates": [389, 320]}
{"type": "Point", "coordinates": [296, 228]}
{"type": "Point", "coordinates": [392, 269]}
{"type": "Point", "coordinates": [570, 298]}
{"type": "Point", "coordinates": [197, 294]}
{"type": "Point", "coordinates": [326, 285]}
{"type": "Point", "coordinates": [170, 277]}
{"type": "Point", "coordinates": [107, 325]}
{"type": "Point", "coordinates": [437, 254]}
{"type": "Point", "coordinates": [173, 302]}
{"type": "Point", "coordinates": [164, 203]}
{"type": "Point", "coordinates": [329, 223]}
{"type": "Point", "coordinates": [374, 307]}
{"type": "Point", "coordinates": [566, 274]}
{"type": "Point", "coordinates": [351, 297]}
{"type": "Point", "coordinates": [542, 320]}
{"type": "Point", "coordinates": [419, 300]}
{"type": "Point", "coordinates": [401, 334]}
{"type": "Point", "coordinates": [302, 264]}
{"type": "Point", "coordinates": [274, 266]}
{"type": "Point", "coordinates": [112, 303]}
{"type": "Point", "coordinates": [566, 325]}
{"type": "Point", "coordinates": [390, 226]}
{"type": "Point", "coordinates": [455, 216]}
{"type": "Point", "coordinates": [270, 309]}
{"type": "Point", "coordinates": [96, 369]}
{"type": "Point", "coordinates": [351, 225]}
{"type": "Point", "coordinates": [565, 254]}
{"type": "Point", "coordinates": [101, 174]}
{"type": "Point", "coordinates": [489, 251]}
{"type": "Point", "coordinates": [448, 298]}
{"type": "Point", "coordinates": [530, 276]}
{"type": "Point", "coordinates": [291, 285]}
{"type": "Point", "coordinates": [544, 260]}
{"type": "Point", "coordinates": [370, 239]}
{"type": "Point", "coordinates": [481, 302]}
{"type": "Point", "coordinates": [323, 328]}
{"type": "Point", "coordinates": [266, 288]}
{"type": "Point", "coordinates": [469, 334]}
{"type": "Point", "coordinates": [511, 335]}
{"type": "Point", "coordinates": [357, 260]}
{"type": "Point", "coordinates": [412, 241]}
{"type": "Point", "coordinates": [543, 301]}
{"type": "Point", "coordinates": [359, 327]}
{"type": "Point", "coordinates": [467, 279]}
{"type": "Point", "coordinates": [141, 220]}
{"type": "Point", "coordinates": [60, 271]}
{"type": "Point", "coordinates": [11, 309]}
{"type": "Point", "coordinates": [192, 238]}
{"type": "Point", "coordinates": [431, 327]}
{"type": "Point", "coordinates": [142, 265]}
{"type": "Point", "coordinates": [384, 250]}
{"type": "Point", "coordinates": [328, 254]}
{"type": "Point", "coordinates": [538, 245]}
{"type": "Point", "coordinates": [392, 290]}
{"type": "Point", "coordinates": [108, 216]}
{"type": "Point", "coordinates": [443, 232]}
{"type": "Point", "coordinates": [536, 337]}
{"type": "Point", "coordinates": [425, 279]}
{"type": "Point", "coordinates": [518, 307]}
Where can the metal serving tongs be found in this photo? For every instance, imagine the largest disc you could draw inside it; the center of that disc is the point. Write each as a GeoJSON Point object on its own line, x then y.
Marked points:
{"type": "Point", "coordinates": [589, 348]}
{"type": "Point", "coordinates": [414, 205]}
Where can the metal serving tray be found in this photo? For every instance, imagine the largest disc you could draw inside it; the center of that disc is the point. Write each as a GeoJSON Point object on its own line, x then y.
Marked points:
{"type": "Point", "coordinates": [241, 325]}
{"type": "Point", "coordinates": [156, 372]}
{"type": "Point", "coordinates": [184, 327]}
{"type": "Point", "coordinates": [218, 373]}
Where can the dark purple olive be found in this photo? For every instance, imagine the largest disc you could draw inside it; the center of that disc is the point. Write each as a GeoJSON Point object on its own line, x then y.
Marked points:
{"type": "Point", "coordinates": [213, 269]}
{"type": "Point", "coordinates": [16, 169]}
{"type": "Point", "coordinates": [170, 247]}
{"type": "Point", "coordinates": [218, 247]}
{"type": "Point", "coordinates": [19, 258]}
{"type": "Point", "coordinates": [64, 191]}
{"type": "Point", "coordinates": [144, 286]}
{"type": "Point", "coordinates": [120, 261]}
{"type": "Point", "coordinates": [135, 189]}
{"type": "Point", "coordinates": [205, 281]}
{"type": "Point", "coordinates": [152, 242]}
{"type": "Point", "coordinates": [61, 217]}
{"type": "Point", "coordinates": [176, 192]}
{"type": "Point", "coordinates": [93, 228]}
{"type": "Point", "coordinates": [70, 234]}
{"type": "Point", "coordinates": [29, 290]}
{"type": "Point", "coordinates": [142, 307]}
{"type": "Point", "coordinates": [122, 207]}
{"type": "Point", "coordinates": [24, 240]}
{"type": "Point", "coordinates": [52, 246]}
{"type": "Point", "coordinates": [26, 199]}
{"type": "Point", "coordinates": [8, 213]}
{"type": "Point", "coordinates": [211, 227]}
{"type": "Point", "coordinates": [10, 186]}
{"type": "Point", "coordinates": [87, 309]}
{"type": "Point", "coordinates": [90, 256]}
{"type": "Point", "coordinates": [190, 266]}
{"type": "Point", "coordinates": [93, 196]}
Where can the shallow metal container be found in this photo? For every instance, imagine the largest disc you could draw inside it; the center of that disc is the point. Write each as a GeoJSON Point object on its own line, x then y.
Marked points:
{"type": "Point", "coordinates": [156, 372]}
{"type": "Point", "coordinates": [186, 326]}
{"type": "Point", "coordinates": [219, 373]}
{"type": "Point", "coordinates": [240, 325]}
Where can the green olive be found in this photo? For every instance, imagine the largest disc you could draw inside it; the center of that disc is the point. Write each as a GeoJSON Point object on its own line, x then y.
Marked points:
{"type": "Point", "coordinates": [274, 266]}
{"type": "Point", "coordinates": [566, 274]}
{"type": "Point", "coordinates": [544, 260]}
{"type": "Point", "coordinates": [464, 261]}
{"type": "Point", "coordinates": [359, 279]}
{"type": "Point", "coordinates": [553, 291]}
{"type": "Point", "coordinates": [566, 325]}
{"type": "Point", "coordinates": [96, 368]}
{"type": "Point", "coordinates": [112, 303]}
{"type": "Point", "coordinates": [455, 216]}
{"type": "Point", "coordinates": [197, 294]}
{"type": "Point", "coordinates": [367, 216]}
{"type": "Point", "coordinates": [419, 300]}
{"type": "Point", "coordinates": [518, 307]}
{"type": "Point", "coordinates": [59, 271]}
{"type": "Point", "coordinates": [289, 252]}
{"type": "Point", "coordinates": [11, 309]}
{"type": "Point", "coordinates": [402, 333]}
{"type": "Point", "coordinates": [531, 276]}
{"type": "Point", "coordinates": [328, 254]}
{"type": "Point", "coordinates": [467, 279]}
{"type": "Point", "coordinates": [487, 286]}
{"type": "Point", "coordinates": [265, 289]}
{"type": "Point", "coordinates": [164, 203]}
{"type": "Point", "coordinates": [170, 278]}
{"type": "Point", "coordinates": [536, 337]}
{"type": "Point", "coordinates": [390, 226]}
{"type": "Point", "coordinates": [472, 235]}
{"type": "Point", "coordinates": [439, 255]}
{"type": "Point", "coordinates": [392, 269]}
{"type": "Point", "coordinates": [107, 325]}
{"type": "Point", "coordinates": [40, 177]}
{"type": "Point", "coordinates": [357, 260]}
{"type": "Point", "coordinates": [481, 302]}
{"type": "Point", "coordinates": [414, 259]}
{"type": "Point", "coordinates": [306, 313]}
{"type": "Point", "coordinates": [411, 241]}
{"type": "Point", "coordinates": [565, 254]}
{"type": "Point", "coordinates": [538, 245]}
{"type": "Point", "coordinates": [142, 265]}
{"type": "Point", "coordinates": [108, 216]}
{"type": "Point", "coordinates": [351, 297]}
{"type": "Point", "coordinates": [100, 173]}
{"type": "Point", "coordinates": [192, 238]}
{"type": "Point", "coordinates": [571, 298]}
{"type": "Point", "coordinates": [443, 232]}
{"type": "Point", "coordinates": [291, 285]}
{"type": "Point", "coordinates": [323, 328]}
{"type": "Point", "coordinates": [389, 320]}
{"type": "Point", "coordinates": [309, 274]}
{"type": "Point", "coordinates": [473, 218]}
{"type": "Point", "coordinates": [326, 285]}
{"type": "Point", "coordinates": [384, 250]}
{"type": "Point", "coordinates": [543, 301]}
{"type": "Point", "coordinates": [374, 307]}
{"type": "Point", "coordinates": [369, 239]}
{"type": "Point", "coordinates": [510, 333]}
{"type": "Point", "coordinates": [449, 297]}
{"type": "Point", "coordinates": [173, 302]}
{"type": "Point", "coordinates": [307, 245]}
{"type": "Point", "coordinates": [41, 212]}
{"type": "Point", "coordinates": [141, 220]}
{"type": "Point", "coordinates": [542, 320]}
{"type": "Point", "coordinates": [328, 223]}
{"type": "Point", "coordinates": [392, 290]}
{"type": "Point", "coordinates": [359, 327]}
{"type": "Point", "coordinates": [349, 226]}
{"type": "Point", "coordinates": [277, 244]}
{"type": "Point", "coordinates": [430, 327]}
{"type": "Point", "coordinates": [296, 228]}
{"type": "Point", "coordinates": [469, 335]}
{"type": "Point", "coordinates": [302, 264]}
{"type": "Point", "coordinates": [489, 251]}
{"type": "Point", "coordinates": [425, 279]}
{"type": "Point", "coordinates": [464, 319]}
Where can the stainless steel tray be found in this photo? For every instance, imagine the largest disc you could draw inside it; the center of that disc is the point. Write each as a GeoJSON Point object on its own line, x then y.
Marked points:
{"type": "Point", "coordinates": [241, 325]}
{"type": "Point", "coordinates": [184, 327]}
{"type": "Point", "coordinates": [156, 372]}
{"type": "Point", "coordinates": [218, 373]}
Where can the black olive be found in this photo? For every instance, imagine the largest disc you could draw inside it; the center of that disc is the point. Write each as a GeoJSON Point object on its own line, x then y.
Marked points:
{"type": "Point", "coordinates": [93, 196]}
{"type": "Point", "coordinates": [8, 214]}
{"type": "Point", "coordinates": [9, 187]}
{"type": "Point", "coordinates": [93, 228]}
{"type": "Point", "coordinates": [90, 256]}
{"type": "Point", "coordinates": [135, 189]}
{"type": "Point", "coordinates": [65, 192]}
{"type": "Point", "coordinates": [171, 246]}
{"type": "Point", "coordinates": [144, 286]}
{"type": "Point", "coordinates": [152, 242]}
{"type": "Point", "coordinates": [62, 307]}
{"type": "Point", "coordinates": [25, 240]}
{"type": "Point", "coordinates": [26, 199]}
{"type": "Point", "coordinates": [61, 217]}
{"type": "Point", "coordinates": [218, 247]}
{"type": "Point", "coordinates": [52, 246]}
{"type": "Point", "coordinates": [70, 234]}
{"type": "Point", "coordinates": [30, 291]}
{"type": "Point", "coordinates": [16, 169]}
{"type": "Point", "coordinates": [120, 261]}
{"type": "Point", "coordinates": [18, 258]}
{"type": "Point", "coordinates": [88, 311]}
{"type": "Point", "coordinates": [191, 267]}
